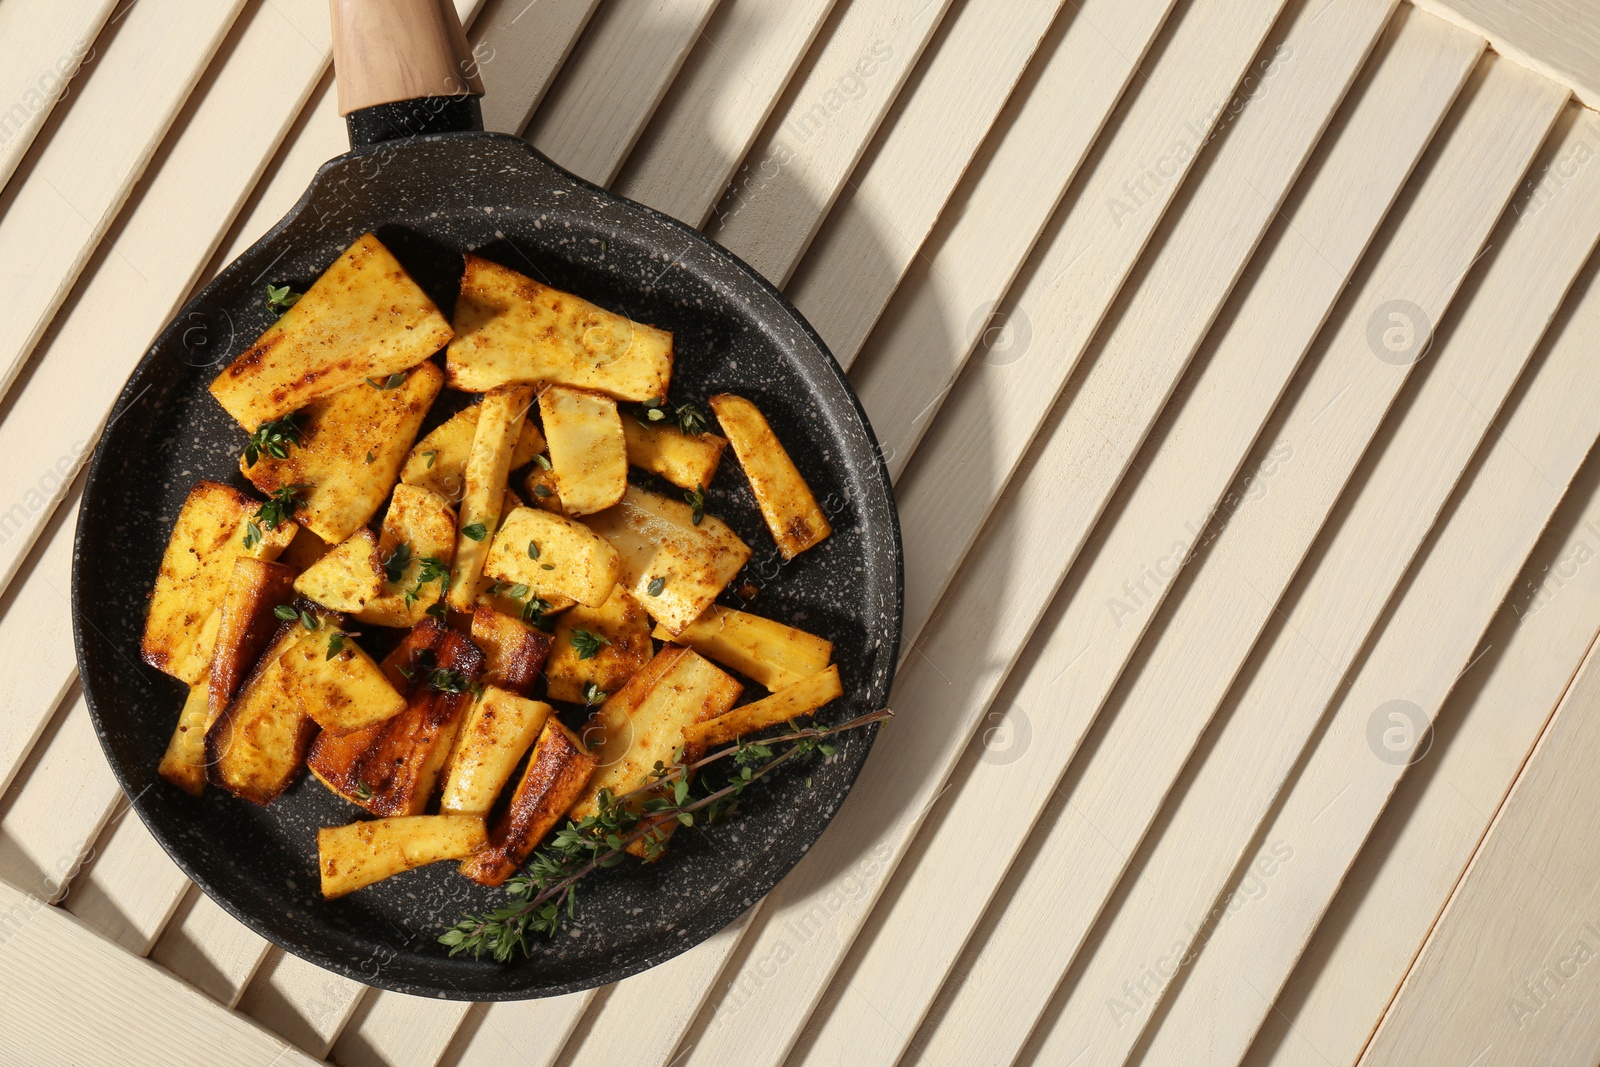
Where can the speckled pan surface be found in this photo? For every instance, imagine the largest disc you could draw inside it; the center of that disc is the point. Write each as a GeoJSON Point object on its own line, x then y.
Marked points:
{"type": "Point", "coordinates": [430, 199]}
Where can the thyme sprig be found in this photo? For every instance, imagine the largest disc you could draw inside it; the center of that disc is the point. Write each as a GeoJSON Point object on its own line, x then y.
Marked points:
{"type": "Point", "coordinates": [691, 420]}
{"type": "Point", "coordinates": [545, 891]}
{"type": "Point", "coordinates": [273, 439]}
{"type": "Point", "coordinates": [277, 510]}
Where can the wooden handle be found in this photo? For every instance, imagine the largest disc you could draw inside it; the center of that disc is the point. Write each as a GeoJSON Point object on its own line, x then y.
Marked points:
{"type": "Point", "coordinates": [389, 50]}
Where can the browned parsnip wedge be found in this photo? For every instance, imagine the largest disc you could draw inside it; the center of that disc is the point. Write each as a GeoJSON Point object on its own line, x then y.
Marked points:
{"type": "Point", "coordinates": [304, 550]}
{"type": "Point", "coordinates": [785, 499]}
{"type": "Point", "coordinates": [247, 624]}
{"type": "Point", "coordinates": [351, 857]}
{"type": "Point", "coordinates": [554, 557]}
{"type": "Point", "coordinates": [497, 732]}
{"type": "Point", "coordinates": [598, 648]}
{"type": "Point", "coordinates": [500, 419]}
{"type": "Point", "coordinates": [405, 665]}
{"type": "Point", "coordinates": [539, 486]}
{"type": "Point", "coordinates": [439, 461]}
{"type": "Point", "coordinates": [255, 749]}
{"type": "Point", "coordinates": [393, 767]}
{"type": "Point", "coordinates": [688, 461]}
{"type": "Point", "coordinates": [180, 629]}
{"type": "Point", "coordinates": [417, 544]}
{"type": "Point", "coordinates": [791, 702]}
{"type": "Point", "coordinates": [646, 720]}
{"type": "Point", "coordinates": [184, 763]}
{"type": "Point", "coordinates": [347, 576]}
{"type": "Point", "coordinates": [588, 453]}
{"type": "Point", "coordinates": [557, 772]}
{"type": "Point", "coordinates": [510, 328]}
{"type": "Point", "coordinates": [337, 683]}
{"type": "Point", "coordinates": [353, 444]}
{"type": "Point", "coordinates": [514, 652]}
{"type": "Point", "coordinates": [364, 318]}
{"type": "Point", "coordinates": [674, 565]}
{"type": "Point", "coordinates": [768, 651]}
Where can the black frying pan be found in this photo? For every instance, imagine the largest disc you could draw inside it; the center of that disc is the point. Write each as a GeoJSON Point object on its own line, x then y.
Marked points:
{"type": "Point", "coordinates": [423, 175]}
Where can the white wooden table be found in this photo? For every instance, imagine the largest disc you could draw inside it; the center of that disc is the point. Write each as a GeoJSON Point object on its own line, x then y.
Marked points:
{"type": "Point", "coordinates": [1239, 364]}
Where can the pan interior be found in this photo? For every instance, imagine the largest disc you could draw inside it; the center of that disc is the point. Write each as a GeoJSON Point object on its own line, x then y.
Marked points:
{"type": "Point", "coordinates": [430, 200]}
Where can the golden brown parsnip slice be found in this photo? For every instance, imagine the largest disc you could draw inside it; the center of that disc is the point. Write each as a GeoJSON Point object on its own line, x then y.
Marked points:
{"type": "Point", "coordinates": [337, 683]}
{"type": "Point", "coordinates": [599, 646]}
{"type": "Point", "coordinates": [673, 565]}
{"type": "Point", "coordinates": [801, 698]}
{"type": "Point", "coordinates": [781, 492]}
{"type": "Point", "coordinates": [500, 418]}
{"type": "Point", "coordinates": [347, 576]}
{"type": "Point", "coordinates": [256, 747]}
{"type": "Point", "coordinates": [688, 461]}
{"type": "Point", "coordinates": [184, 763]}
{"type": "Point", "coordinates": [539, 486]}
{"type": "Point", "coordinates": [588, 453]}
{"type": "Point", "coordinates": [554, 557]}
{"type": "Point", "coordinates": [497, 732]}
{"type": "Point", "coordinates": [769, 652]}
{"type": "Point", "coordinates": [354, 443]}
{"type": "Point", "coordinates": [421, 525]}
{"type": "Point", "coordinates": [351, 857]}
{"type": "Point", "coordinates": [439, 461]}
{"type": "Point", "coordinates": [364, 318]}
{"type": "Point", "coordinates": [510, 328]}
{"type": "Point", "coordinates": [304, 550]}
{"type": "Point", "coordinates": [247, 622]}
{"type": "Point", "coordinates": [514, 652]}
{"type": "Point", "coordinates": [180, 631]}
{"type": "Point", "coordinates": [557, 772]}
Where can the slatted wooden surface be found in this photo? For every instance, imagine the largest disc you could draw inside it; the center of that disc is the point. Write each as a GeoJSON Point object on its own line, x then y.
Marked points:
{"type": "Point", "coordinates": [1235, 361]}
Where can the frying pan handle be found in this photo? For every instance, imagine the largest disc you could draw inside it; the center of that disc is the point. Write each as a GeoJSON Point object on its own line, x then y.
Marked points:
{"type": "Point", "coordinates": [391, 52]}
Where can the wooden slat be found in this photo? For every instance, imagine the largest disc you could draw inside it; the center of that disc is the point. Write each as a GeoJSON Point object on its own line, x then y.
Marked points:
{"type": "Point", "coordinates": [881, 219]}
{"type": "Point", "coordinates": [1427, 835]}
{"type": "Point", "coordinates": [79, 180]}
{"type": "Point", "coordinates": [968, 262]}
{"type": "Point", "coordinates": [718, 103]}
{"type": "Point", "coordinates": [519, 46]}
{"type": "Point", "coordinates": [1558, 38]}
{"type": "Point", "coordinates": [86, 1001]}
{"type": "Point", "coordinates": [395, 1030]}
{"type": "Point", "coordinates": [1441, 223]}
{"type": "Point", "coordinates": [1511, 984]}
{"type": "Point", "coordinates": [132, 888]}
{"type": "Point", "coordinates": [812, 141]}
{"type": "Point", "coordinates": [610, 75]}
{"type": "Point", "coordinates": [1009, 572]}
{"type": "Point", "coordinates": [1182, 477]}
{"type": "Point", "coordinates": [529, 1033]}
{"type": "Point", "coordinates": [995, 409]}
{"type": "Point", "coordinates": [44, 44]}
{"type": "Point", "coordinates": [1426, 644]}
{"type": "Point", "coordinates": [300, 1001]}
{"type": "Point", "coordinates": [210, 949]}
{"type": "Point", "coordinates": [1268, 723]}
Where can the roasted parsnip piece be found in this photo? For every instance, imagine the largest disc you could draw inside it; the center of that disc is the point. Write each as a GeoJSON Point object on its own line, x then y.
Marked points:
{"type": "Point", "coordinates": [514, 652]}
{"type": "Point", "coordinates": [184, 763]}
{"type": "Point", "coordinates": [180, 628]}
{"type": "Point", "coordinates": [673, 565]}
{"type": "Point", "coordinates": [539, 486]}
{"type": "Point", "coordinates": [645, 722]}
{"type": "Point", "coordinates": [588, 453]}
{"type": "Point", "coordinates": [364, 318]}
{"type": "Point", "coordinates": [392, 768]}
{"type": "Point", "coordinates": [407, 664]}
{"type": "Point", "coordinates": [801, 698]}
{"type": "Point", "coordinates": [256, 747]}
{"type": "Point", "coordinates": [247, 623]}
{"type": "Point", "coordinates": [304, 550]}
{"type": "Point", "coordinates": [354, 443]}
{"type": "Point", "coordinates": [688, 461]}
{"type": "Point", "coordinates": [493, 739]}
{"type": "Point", "coordinates": [781, 492]}
{"type": "Point", "coordinates": [554, 557]}
{"type": "Point", "coordinates": [510, 328]}
{"type": "Point", "coordinates": [353, 856]}
{"type": "Point", "coordinates": [417, 543]}
{"type": "Point", "coordinates": [439, 461]}
{"type": "Point", "coordinates": [557, 772]}
{"type": "Point", "coordinates": [500, 419]}
{"type": "Point", "coordinates": [600, 646]}
{"type": "Point", "coordinates": [337, 683]}
{"type": "Point", "coordinates": [768, 651]}
{"type": "Point", "coordinates": [347, 576]}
